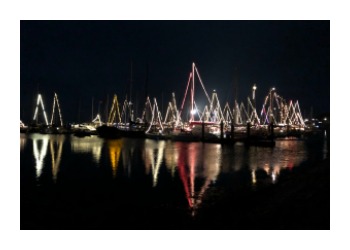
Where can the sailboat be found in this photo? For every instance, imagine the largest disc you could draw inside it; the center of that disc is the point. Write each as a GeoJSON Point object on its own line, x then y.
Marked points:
{"type": "Point", "coordinates": [110, 130]}
{"type": "Point", "coordinates": [54, 127]}
{"type": "Point", "coordinates": [128, 127]}
{"type": "Point", "coordinates": [155, 129]}
{"type": "Point", "coordinates": [201, 125]}
{"type": "Point", "coordinates": [120, 124]}
{"type": "Point", "coordinates": [23, 127]}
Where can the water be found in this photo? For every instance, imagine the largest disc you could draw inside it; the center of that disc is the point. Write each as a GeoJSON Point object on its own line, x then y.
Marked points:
{"type": "Point", "coordinates": [70, 182]}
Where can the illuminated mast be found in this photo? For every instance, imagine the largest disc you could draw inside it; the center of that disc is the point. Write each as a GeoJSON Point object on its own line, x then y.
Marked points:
{"type": "Point", "coordinates": [254, 104]}
{"type": "Point", "coordinates": [175, 110]}
{"type": "Point", "coordinates": [271, 116]}
{"type": "Point", "coordinates": [131, 115]}
{"type": "Point", "coordinates": [192, 95]}
{"type": "Point", "coordinates": [253, 95]}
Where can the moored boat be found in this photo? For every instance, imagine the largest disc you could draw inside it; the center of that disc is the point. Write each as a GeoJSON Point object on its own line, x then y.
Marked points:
{"type": "Point", "coordinates": [132, 133]}
{"type": "Point", "coordinates": [108, 132]}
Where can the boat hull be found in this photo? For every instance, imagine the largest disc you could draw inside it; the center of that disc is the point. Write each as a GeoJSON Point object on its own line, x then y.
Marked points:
{"type": "Point", "coordinates": [108, 132]}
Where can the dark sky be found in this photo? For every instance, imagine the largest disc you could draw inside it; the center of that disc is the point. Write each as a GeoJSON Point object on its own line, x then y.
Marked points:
{"type": "Point", "coordinates": [81, 60]}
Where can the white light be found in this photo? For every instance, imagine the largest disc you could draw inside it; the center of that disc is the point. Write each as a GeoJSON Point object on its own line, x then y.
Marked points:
{"type": "Point", "coordinates": [325, 119]}
{"type": "Point", "coordinates": [273, 175]}
{"type": "Point", "coordinates": [193, 112]}
{"type": "Point", "coordinates": [39, 155]}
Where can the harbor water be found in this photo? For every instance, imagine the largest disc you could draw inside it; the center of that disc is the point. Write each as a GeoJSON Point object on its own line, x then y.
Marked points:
{"type": "Point", "coordinates": [69, 182]}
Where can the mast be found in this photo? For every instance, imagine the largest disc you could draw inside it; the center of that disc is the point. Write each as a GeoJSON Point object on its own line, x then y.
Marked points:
{"type": "Point", "coordinates": [254, 101]}
{"type": "Point", "coordinates": [146, 83]}
{"type": "Point", "coordinates": [271, 115]}
{"type": "Point", "coordinates": [131, 114]}
{"type": "Point", "coordinates": [192, 94]}
{"type": "Point", "coordinates": [79, 108]}
{"type": "Point", "coordinates": [106, 108]}
{"type": "Point", "coordinates": [235, 84]}
{"type": "Point", "coordinates": [130, 81]}
{"type": "Point", "coordinates": [92, 109]}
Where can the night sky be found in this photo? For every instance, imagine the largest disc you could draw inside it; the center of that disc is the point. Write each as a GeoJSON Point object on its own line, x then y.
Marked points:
{"type": "Point", "coordinates": [85, 60]}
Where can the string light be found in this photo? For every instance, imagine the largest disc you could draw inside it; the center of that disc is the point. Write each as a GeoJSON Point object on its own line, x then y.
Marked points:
{"type": "Point", "coordinates": [55, 100]}
{"type": "Point", "coordinates": [40, 101]}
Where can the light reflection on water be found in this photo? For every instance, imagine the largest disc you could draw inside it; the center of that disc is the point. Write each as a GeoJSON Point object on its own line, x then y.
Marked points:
{"type": "Point", "coordinates": [56, 145]}
{"type": "Point", "coordinates": [197, 162]}
{"type": "Point", "coordinates": [90, 144]}
{"type": "Point", "coordinates": [114, 148]}
{"type": "Point", "coordinates": [286, 154]}
{"type": "Point", "coordinates": [195, 166]}
{"type": "Point", "coordinates": [23, 141]}
{"type": "Point", "coordinates": [40, 143]}
{"type": "Point", "coordinates": [325, 145]}
{"type": "Point", "coordinates": [129, 146]}
{"type": "Point", "coordinates": [171, 155]}
{"type": "Point", "coordinates": [153, 158]}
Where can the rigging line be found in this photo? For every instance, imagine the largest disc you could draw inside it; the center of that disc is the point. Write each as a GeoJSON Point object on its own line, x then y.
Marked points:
{"type": "Point", "coordinates": [200, 80]}
{"type": "Point", "coordinates": [199, 114]}
{"type": "Point", "coordinates": [42, 106]}
{"type": "Point", "coordinates": [300, 114]}
{"type": "Point", "coordinates": [53, 110]}
{"type": "Point", "coordinates": [183, 101]}
{"type": "Point", "coordinates": [167, 112]}
{"type": "Point", "coordinates": [55, 100]}
{"type": "Point", "coordinates": [243, 110]}
{"type": "Point", "coordinates": [158, 114]}
{"type": "Point", "coordinates": [205, 113]}
{"type": "Point", "coordinates": [59, 110]}
{"type": "Point", "coordinates": [151, 123]}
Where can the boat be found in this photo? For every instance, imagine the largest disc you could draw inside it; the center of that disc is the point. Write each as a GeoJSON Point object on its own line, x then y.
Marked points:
{"type": "Point", "coordinates": [132, 132]}
{"type": "Point", "coordinates": [84, 129]}
{"type": "Point", "coordinates": [109, 132]}
{"type": "Point", "coordinates": [23, 127]}
{"type": "Point", "coordinates": [185, 135]}
{"type": "Point", "coordinates": [157, 133]}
